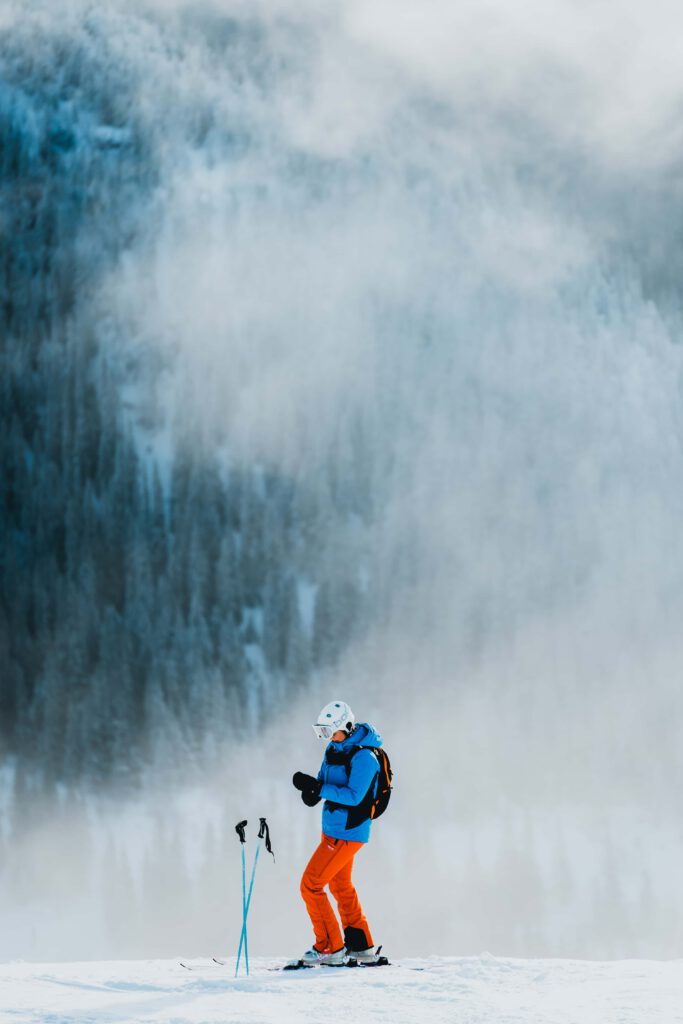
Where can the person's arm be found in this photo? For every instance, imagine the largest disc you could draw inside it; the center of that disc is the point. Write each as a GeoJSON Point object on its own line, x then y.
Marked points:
{"type": "Point", "coordinates": [364, 767]}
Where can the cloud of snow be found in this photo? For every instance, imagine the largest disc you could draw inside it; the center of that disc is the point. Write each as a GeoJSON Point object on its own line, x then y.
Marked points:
{"type": "Point", "coordinates": [454, 225]}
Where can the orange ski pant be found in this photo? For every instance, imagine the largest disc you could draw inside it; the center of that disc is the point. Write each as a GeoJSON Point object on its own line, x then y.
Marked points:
{"type": "Point", "coordinates": [332, 864]}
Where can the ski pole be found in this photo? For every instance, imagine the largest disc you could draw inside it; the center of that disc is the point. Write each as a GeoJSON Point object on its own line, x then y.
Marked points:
{"type": "Point", "coordinates": [246, 900]}
{"type": "Point", "coordinates": [246, 913]}
{"type": "Point", "coordinates": [263, 833]}
{"type": "Point", "coordinates": [240, 830]}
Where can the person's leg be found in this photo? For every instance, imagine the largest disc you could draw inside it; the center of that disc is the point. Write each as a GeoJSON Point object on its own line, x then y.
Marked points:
{"type": "Point", "coordinates": [357, 933]}
{"type": "Point", "coordinates": [328, 859]}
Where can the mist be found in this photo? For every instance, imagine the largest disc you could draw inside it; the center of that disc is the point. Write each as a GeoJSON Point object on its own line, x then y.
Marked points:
{"type": "Point", "coordinates": [422, 264]}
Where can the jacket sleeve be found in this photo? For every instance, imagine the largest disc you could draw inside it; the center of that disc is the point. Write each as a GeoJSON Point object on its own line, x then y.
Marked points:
{"type": "Point", "coordinates": [364, 767]}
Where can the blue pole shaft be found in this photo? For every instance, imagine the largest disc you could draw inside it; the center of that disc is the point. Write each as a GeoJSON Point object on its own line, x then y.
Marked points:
{"type": "Point", "coordinates": [244, 910]}
{"type": "Point", "coordinates": [251, 889]}
{"type": "Point", "coordinates": [245, 906]}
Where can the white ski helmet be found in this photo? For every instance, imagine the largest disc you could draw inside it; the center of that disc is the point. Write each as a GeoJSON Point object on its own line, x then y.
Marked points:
{"type": "Point", "coordinates": [334, 716]}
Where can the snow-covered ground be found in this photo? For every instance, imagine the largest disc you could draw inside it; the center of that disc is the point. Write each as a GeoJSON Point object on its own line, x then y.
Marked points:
{"type": "Point", "coordinates": [472, 990]}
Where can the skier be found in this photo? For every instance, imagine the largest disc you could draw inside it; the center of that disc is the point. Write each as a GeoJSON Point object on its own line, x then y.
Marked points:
{"type": "Point", "coordinates": [347, 782]}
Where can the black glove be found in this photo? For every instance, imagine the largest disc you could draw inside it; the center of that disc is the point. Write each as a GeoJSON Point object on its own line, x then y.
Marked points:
{"type": "Point", "coordinates": [311, 797]}
{"type": "Point", "coordinates": [309, 787]}
{"type": "Point", "coordinates": [302, 781]}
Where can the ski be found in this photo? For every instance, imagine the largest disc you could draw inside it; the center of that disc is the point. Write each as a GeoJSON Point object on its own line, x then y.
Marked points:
{"type": "Point", "coordinates": [292, 965]}
{"type": "Point", "coordinates": [201, 965]}
{"type": "Point", "coordinates": [299, 965]}
{"type": "Point", "coordinates": [349, 961]}
{"type": "Point", "coordinates": [295, 965]}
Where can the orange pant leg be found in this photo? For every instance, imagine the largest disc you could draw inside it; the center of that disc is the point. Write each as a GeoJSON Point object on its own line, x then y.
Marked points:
{"type": "Point", "coordinates": [330, 857]}
{"type": "Point", "coordinates": [357, 933]}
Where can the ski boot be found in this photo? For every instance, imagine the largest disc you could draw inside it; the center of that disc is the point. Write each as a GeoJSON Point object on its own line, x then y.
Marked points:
{"type": "Point", "coordinates": [314, 958]}
{"type": "Point", "coordinates": [366, 958]}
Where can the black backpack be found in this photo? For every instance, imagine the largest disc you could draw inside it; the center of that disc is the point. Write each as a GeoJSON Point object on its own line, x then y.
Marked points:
{"type": "Point", "coordinates": [374, 803]}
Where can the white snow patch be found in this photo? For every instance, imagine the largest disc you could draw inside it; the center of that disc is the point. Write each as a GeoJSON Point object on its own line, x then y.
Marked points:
{"type": "Point", "coordinates": [110, 137]}
{"type": "Point", "coordinates": [256, 659]}
{"type": "Point", "coordinates": [7, 776]}
{"type": "Point", "coordinates": [484, 989]}
{"type": "Point", "coordinates": [305, 595]}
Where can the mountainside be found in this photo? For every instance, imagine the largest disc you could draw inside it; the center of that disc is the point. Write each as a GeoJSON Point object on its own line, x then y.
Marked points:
{"type": "Point", "coordinates": [152, 599]}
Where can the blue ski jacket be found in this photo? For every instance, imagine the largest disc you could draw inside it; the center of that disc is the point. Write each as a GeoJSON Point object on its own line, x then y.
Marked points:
{"type": "Point", "coordinates": [349, 790]}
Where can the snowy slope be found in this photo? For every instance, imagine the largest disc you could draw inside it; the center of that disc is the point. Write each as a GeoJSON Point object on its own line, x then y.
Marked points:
{"type": "Point", "coordinates": [476, 990]}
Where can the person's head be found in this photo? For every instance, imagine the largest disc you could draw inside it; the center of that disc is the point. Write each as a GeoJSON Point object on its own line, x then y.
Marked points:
{"type": "Point", "coordinates": [335, 722]}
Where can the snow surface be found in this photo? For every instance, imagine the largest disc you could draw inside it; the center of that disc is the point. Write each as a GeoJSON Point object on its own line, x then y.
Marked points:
{"type": "Point", "coordinates": [475, 990]}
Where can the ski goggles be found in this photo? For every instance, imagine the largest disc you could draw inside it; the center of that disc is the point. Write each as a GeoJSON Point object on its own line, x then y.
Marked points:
{"type": "Point", "coordinates": [324, 732]}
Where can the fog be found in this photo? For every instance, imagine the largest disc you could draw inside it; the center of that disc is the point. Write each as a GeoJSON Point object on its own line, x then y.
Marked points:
{"type": "Point", "coordinates": [433, 249]}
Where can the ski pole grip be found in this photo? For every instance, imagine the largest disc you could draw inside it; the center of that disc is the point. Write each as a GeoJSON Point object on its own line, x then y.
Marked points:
{"type": "Point", "coordinates": [264, 833]}
{"type": "Point", "coordinates": [239, 829]}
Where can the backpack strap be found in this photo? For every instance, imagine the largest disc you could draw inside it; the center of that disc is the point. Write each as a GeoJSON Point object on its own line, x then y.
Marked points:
{"type": "Point", "coordinates": [344, 757]}
{"type": "Point", "coordinates": [359, 813]}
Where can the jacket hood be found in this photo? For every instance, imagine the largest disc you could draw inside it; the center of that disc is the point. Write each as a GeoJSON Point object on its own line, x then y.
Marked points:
{"type": "Point", "coordinates": [364, 735]}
